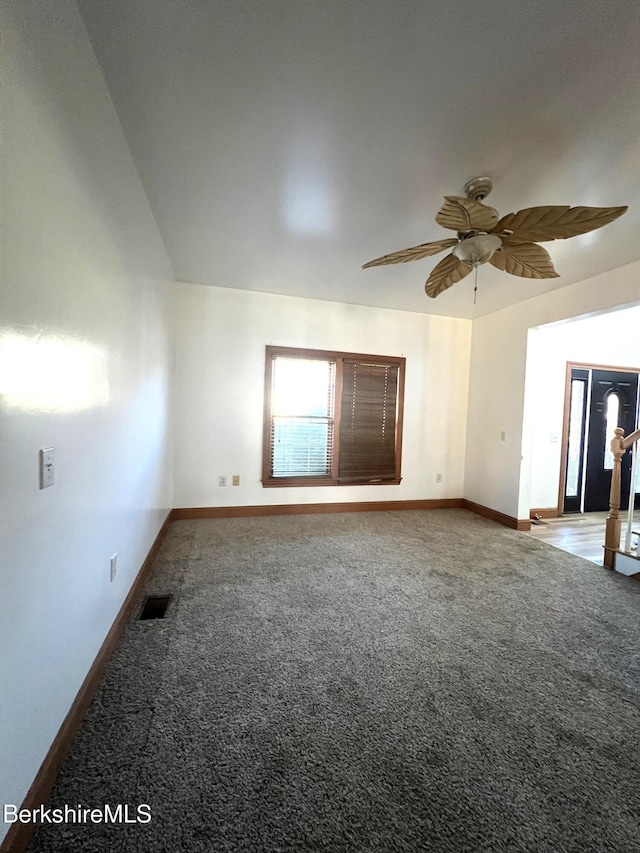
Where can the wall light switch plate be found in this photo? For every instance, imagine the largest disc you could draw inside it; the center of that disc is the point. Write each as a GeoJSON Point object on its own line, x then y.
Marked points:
{"type": "Point", "coordinates": [47, 467]}
{"type": "Point", "coordinates": [235, 480]}
{"type": "Point", "coordinates": [113, 565]}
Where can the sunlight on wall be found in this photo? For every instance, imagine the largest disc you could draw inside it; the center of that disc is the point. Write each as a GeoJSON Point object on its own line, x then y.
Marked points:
{"type": "Point", "coordinates": [49, 373]}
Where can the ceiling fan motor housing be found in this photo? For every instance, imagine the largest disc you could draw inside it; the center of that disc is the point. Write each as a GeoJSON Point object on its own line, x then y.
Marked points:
{"type": "Point", "coordinates": [478, 188]}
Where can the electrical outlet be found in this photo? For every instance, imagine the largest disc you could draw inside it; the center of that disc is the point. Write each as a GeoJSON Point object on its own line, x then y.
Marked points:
{"type": "Point", "coordinates": [503, 436]}
{"type": "Point", "coordinates": [113, 568]}
{"type": "Point", "coordinates": [222, 480]}
{"type": "Point", "coordinates": [438, 478]}
{"type": "Point", "coordinates": [235, 480]}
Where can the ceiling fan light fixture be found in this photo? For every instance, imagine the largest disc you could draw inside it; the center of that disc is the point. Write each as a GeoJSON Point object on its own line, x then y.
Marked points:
{"type": "Point", "coordinates": [477, 249]}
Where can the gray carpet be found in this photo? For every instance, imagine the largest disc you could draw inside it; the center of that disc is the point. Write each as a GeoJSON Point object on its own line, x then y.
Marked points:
{"type": "Point", "coordinates": [407, 681]}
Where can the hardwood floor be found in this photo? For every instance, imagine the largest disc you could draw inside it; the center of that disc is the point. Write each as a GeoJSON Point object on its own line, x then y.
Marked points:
{"type": "Point", "coordinates": [580, 534]}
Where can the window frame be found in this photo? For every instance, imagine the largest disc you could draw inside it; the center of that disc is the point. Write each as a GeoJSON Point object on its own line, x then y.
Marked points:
{"type": "Point", "coordinates": [339, 357]}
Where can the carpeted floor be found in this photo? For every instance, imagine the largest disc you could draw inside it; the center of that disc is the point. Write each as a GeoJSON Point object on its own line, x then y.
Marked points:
{"type": "Point", "coordinates": [406, 681]}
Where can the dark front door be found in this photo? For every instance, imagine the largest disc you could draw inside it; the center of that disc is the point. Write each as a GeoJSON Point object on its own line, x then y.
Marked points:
{"type": "Point", "coordinates": [613, 403]}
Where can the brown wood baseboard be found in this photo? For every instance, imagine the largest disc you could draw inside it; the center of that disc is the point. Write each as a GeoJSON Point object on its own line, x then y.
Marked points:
{"type": "Point", "coordinates": [357, 506]}
{"type": "Point", "coordinates": [310, 509]}
{"type": "Point", "coordinates": [19, 834]}
{"type": "Point", "coordinates": [500, 517]}
{"type": "Point", "coordinates": [544, 512]}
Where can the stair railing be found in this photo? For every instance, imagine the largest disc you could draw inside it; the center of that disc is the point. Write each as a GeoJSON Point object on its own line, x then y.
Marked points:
{"type": "Point", "coordinates": [619, 446]}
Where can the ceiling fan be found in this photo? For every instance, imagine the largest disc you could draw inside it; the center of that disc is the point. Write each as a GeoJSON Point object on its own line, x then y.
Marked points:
{"type": "Point", "coordinates": [509, 243]}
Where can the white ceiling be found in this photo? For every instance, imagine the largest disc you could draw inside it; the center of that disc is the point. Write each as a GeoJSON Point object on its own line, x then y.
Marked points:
{"type": "Point", "coordinates": [284, 143]}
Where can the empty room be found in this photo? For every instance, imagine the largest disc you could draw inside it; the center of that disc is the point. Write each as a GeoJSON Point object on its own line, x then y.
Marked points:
{"type": "Point", "coordinates": [319, 365]}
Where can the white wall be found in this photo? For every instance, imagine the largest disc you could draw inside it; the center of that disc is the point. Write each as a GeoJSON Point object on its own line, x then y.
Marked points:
{"type": "Point", "coordinates": [610, 339]}
{"type": "Point", "coordinates": [498, 473]}
{"type": "Point", "coordinates": [220, 360]}
{"type": "Point", "coordinates": [85, 353]}
{"type": "Point", "coordinates": [496, 389]}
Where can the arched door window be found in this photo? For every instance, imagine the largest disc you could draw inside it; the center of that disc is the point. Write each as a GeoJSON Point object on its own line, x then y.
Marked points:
{"type": "Point", "coordinates": [611, 414]}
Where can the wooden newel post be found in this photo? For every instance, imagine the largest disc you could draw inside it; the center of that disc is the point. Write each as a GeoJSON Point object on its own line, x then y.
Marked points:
{"type": "Point", "coordinates": [612, 533]}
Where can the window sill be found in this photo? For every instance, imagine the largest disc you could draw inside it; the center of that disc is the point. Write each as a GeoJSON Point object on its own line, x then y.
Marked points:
{"type": "Point", "coordinates": [290, 482]}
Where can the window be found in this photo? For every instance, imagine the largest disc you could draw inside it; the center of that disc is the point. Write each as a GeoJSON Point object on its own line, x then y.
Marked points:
{"type": "Point", "coordinates": [331, 418]}
{"type": "Point", "coordinates": [576, 438]}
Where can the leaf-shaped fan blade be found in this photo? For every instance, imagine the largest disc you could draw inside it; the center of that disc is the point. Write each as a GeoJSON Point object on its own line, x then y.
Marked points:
{"type": "Point", "coordinates": [464, 214]}
{"type": "Point", "coordinates": [527, 260]}
{"type": "Point", "coordinates": [449, 271]}
{"type": "Point", "coordinates": [556, 222]}
{"type": "Point", "coordinates": [413, 254]}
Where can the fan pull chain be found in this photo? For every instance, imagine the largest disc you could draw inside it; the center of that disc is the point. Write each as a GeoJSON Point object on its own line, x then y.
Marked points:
{"type": "Point", "coordinates": [475, 285]}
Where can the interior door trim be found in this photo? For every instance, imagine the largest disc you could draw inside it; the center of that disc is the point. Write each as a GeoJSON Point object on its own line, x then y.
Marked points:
{"type": "Point", "coordinates": [565, 417]}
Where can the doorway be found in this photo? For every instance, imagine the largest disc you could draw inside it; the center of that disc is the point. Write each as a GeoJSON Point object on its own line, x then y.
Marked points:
{"type": "Point", "coordinates": [598, 399]}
